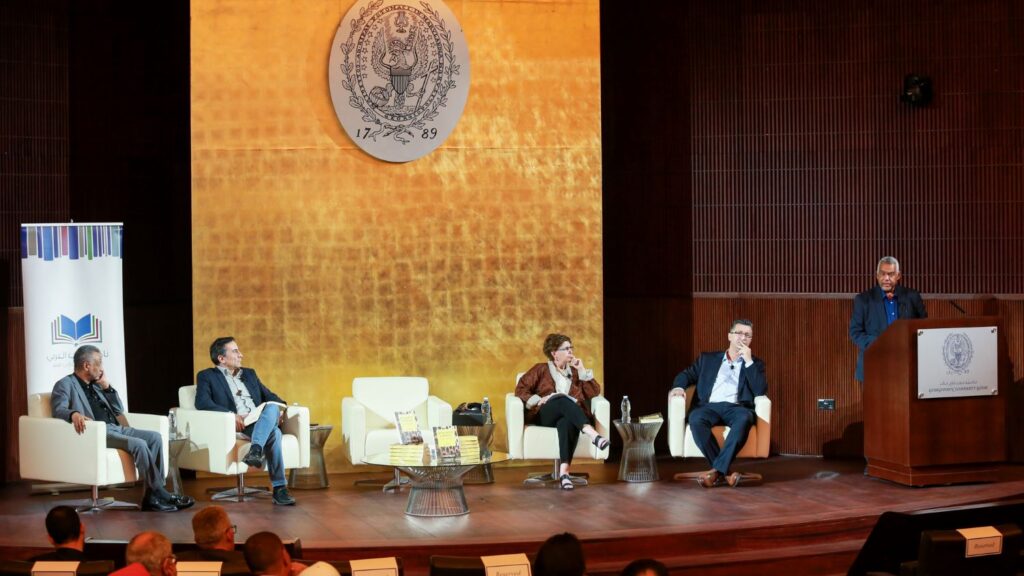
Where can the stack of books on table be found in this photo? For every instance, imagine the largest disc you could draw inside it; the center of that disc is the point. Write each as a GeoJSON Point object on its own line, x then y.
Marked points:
{"type": "Point", "coordinates": [406, 454]}
{"type": "Point", "coordinates": [470, 448]}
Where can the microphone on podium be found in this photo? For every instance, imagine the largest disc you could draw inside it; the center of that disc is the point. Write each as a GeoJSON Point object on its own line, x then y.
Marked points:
{"type": "Point", "coordinates": [957, 306]}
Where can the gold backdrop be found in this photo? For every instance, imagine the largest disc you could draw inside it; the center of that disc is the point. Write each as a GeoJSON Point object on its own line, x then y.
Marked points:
{"type": "Point", "coordinates": [327, 264]}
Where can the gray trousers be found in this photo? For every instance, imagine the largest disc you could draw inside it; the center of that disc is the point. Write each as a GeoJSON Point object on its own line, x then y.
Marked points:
{"type": "Point", "coordinates": [147, 450]}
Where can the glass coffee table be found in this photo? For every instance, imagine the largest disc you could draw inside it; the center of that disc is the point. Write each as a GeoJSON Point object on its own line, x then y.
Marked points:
{"type": "Point", "coordinates": [436, 484]}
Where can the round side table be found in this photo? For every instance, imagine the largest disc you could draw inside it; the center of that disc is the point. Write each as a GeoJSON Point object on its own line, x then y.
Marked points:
{"type": "Point", "coordinates": [638, 463]}
{"type": "Point", "coordinates": [315, 476]}
{"type": "Point", "coordinates": [175, 446]}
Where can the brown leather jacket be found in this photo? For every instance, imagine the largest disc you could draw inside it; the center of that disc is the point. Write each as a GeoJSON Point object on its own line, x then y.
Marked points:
{"type": "Point", "coordinates": [538, 380]}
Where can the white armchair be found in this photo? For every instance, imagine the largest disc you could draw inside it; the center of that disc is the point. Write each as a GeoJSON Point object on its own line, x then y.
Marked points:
{"type": "Point", "coordinates": [49, 449]}
{"type": "Point", "coordinates": [680, 440]}
{"type": "Point", "coordinates": [368, 416]}
{"type": "Point", "coordinates": [541, 442]}
{"type": "Point", "coordinates": [214, 446]}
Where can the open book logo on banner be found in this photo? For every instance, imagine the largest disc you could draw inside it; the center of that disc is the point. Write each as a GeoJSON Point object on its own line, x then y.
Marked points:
{"type": "Point", "coordinates": [64, 330]}
{"type": "Point", "coordinates": [399, 76]}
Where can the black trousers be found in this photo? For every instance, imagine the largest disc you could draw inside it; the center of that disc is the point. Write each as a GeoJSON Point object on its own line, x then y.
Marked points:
{"type": "Point", "coordinates": [565, 415]}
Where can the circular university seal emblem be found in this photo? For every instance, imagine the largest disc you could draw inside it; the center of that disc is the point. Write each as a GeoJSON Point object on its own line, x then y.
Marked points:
{"type": "Point", "coordinates": [399, 76]}
{"type": "Point", "coordinates": [957, 351]}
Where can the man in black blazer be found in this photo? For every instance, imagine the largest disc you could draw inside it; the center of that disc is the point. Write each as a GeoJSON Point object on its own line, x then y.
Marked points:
{"type": "Point", "coordinates": [230, 388]}
{"type": "Point", "coordinates": [875, 309]}
{"type": "Point", "coordinates": [67, 534]}
{"type": "Point", "coordinates": [727, 383]}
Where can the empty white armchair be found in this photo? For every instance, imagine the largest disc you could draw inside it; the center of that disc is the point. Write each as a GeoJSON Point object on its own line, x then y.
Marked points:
{"type": "Point", "coordinates": [214, 446]}
{"type": "Point", "coordinates": [50, 450]}
{"type": "Point", "coordinates": [680, 440]}
{"type": "Point", "coordinates": [541, 442]}
{"type": "Point", "coordinates": [368, 416]}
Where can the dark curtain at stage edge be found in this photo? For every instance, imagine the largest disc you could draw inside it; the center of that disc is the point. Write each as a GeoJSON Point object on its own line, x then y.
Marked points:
{"type": "Point", "coordinates": [645, 135]}
{"type": "Point", "coordinates": [115, 123]}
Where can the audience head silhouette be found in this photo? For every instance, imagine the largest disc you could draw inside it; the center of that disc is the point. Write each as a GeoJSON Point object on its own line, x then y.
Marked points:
{"type": "Point", "coordinates": [560, 555]}
{"type": "Point", "coordinates": [645, 567]}
{"type": "Point", "coordinates": [265, 554]}
{"type": "Point", "coordinates": [152, 550]}
{"type": "Point", "coordinates": [64, 528]}
{"type": "Point", "coordinates": [213, 530]}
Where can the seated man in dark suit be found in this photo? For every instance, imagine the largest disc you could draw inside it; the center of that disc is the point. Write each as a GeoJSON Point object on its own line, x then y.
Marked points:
{"type": "Point", "coordinates": [875, 309]}
{"type": "Point", "coordinates": [230, 388]}
{"type": "Point", "coordinates": [67, 534]}
{"type": "Point", "coordinates": [87, 395]}
{"type": "Point", "coordinates": [215, 536]}
{"type": "Point", "coordinates": [727, 383]}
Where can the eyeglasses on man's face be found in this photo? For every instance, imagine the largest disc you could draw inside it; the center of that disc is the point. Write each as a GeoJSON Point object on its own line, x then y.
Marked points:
{"type": "Point", "coordinates": [744, 335]}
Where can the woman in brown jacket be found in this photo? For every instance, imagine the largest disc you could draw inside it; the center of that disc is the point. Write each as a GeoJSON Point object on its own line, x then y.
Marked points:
{"type": "Point", "coordinates": [557, 394]}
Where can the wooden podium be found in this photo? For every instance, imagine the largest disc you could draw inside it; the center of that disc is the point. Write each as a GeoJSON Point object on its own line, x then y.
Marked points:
{"type": "Point", "coordinates": [921, 442]}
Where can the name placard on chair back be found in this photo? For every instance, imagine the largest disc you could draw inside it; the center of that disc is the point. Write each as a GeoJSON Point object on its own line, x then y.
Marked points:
{"type": "Point", "coordinates": [374, 567]}
{"type": "Point", "coordinates": [45, 568]}
{"type": "Point", "coordinates": [199, 568]}
{"type": "Point", "coordinates": [506, 565]}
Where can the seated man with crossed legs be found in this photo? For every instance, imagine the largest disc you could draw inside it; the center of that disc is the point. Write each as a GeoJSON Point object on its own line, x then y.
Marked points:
{"type": "Point", "coordinates": [727, 383]}
{"type": "Point", "coordinates": [230, 388]}
{"type": "Point", "coordinates": [86, 395]}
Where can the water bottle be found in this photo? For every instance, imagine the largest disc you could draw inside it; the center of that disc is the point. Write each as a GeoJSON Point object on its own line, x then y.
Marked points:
{"type": "Point", "coordinates": [625, 410]}
{"type": "Point", "coordinates": [486, 409]}
{"type": "Point", "coordinates": [172, 423]}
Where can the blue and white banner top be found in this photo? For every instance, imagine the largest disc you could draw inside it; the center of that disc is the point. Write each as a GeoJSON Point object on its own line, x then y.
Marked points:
{"type": "Point", "coordinates": [71, 241]}
{"type": "Point", "coordinates": [71, 275]}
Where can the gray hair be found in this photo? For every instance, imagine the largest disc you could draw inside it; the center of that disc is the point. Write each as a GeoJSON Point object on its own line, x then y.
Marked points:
{"type": "Point", "coordinates": [209, 525]}
{"type": "Point", "coordinates": [84, 354]}
{"type": "Point", "coordinates": [149, 549]}
{"type": "Point", "coordinates": [887, 260]}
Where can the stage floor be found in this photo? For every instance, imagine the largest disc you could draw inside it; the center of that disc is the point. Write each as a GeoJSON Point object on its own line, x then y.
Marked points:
{"type": "Point", "coordinates": [806, 507]}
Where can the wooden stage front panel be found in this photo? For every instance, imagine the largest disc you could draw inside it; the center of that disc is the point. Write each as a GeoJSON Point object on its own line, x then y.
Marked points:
{"type": "Point", "coordinates": [810, 516]}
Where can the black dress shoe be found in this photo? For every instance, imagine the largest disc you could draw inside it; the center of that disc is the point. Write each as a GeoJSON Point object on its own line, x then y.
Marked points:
{"type": "Point", "coordinates": [282, 497]}
{"type": "Point", "coordinates": [181, 501]}
{"type": "Point", "coordinates": [254, 459]}
{"type": "Point", "coordinates": [152, 502]}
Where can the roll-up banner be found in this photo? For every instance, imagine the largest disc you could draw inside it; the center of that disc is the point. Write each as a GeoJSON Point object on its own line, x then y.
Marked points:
{"type": "Point", "coordinates": [71, 274]}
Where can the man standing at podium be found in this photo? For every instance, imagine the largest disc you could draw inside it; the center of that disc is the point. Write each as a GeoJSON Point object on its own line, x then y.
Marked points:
{"type": "Point", "coordinates": [875, 309]}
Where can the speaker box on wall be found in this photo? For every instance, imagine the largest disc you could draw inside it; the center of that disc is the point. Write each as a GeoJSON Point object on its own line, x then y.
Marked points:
{"type": "Point", "coordinates": [917, 90]}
